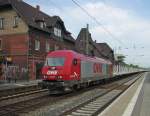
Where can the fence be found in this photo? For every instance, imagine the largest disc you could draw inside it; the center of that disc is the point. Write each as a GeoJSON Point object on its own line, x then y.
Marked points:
{"type": "Point", "coordinates": [15, 73]}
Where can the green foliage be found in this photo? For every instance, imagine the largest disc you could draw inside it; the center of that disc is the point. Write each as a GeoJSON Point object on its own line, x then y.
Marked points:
{"type": "Point", "coordinates": [134, 66]}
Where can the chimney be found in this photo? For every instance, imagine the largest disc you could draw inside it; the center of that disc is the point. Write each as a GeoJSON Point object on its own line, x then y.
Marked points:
{"type": "Point", "coordinates": [38, 7]}
{"type": "Point", "coordinates": [87, 40]}
{"type": "Point", "coordinates": [87, 26]}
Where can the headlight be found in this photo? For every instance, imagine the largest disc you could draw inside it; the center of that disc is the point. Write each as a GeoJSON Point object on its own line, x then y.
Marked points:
{"type": "Point", "coordinates": [45, 77]}
{"type": "Point", "coordinates": [59, 77]}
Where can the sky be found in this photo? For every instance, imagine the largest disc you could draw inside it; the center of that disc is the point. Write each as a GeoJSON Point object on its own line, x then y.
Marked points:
{"type": "Point", "coordinates": [123, 24]}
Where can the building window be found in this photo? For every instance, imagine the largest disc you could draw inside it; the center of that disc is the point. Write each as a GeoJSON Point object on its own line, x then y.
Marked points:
{"type": "Point", "coordinates": [57, 32]}
{"type": "Point", "coordinates": [47, 47]}
{"type": "Point", "coordinates": [45, 24]}
{"type": "Point", "coordinates": [56, 47]}
{"type": "Point", "coordinates": [16, 21]}
{"type": "Point", "coordinates": [37, 45]}
{"type": "Point", "coordinates": [1, 23]}
{"type": "Point", "coordinates": [42, 24]}
{"type": "Point", "coordinates": [0, 44]}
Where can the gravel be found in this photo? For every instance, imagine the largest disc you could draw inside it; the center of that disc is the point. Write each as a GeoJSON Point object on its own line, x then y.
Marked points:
{"type": "Point", "coordinates": [65, 104]}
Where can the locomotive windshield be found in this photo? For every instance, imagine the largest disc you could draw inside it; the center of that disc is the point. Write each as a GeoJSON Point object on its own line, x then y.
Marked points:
{"type": "Point", "coordinates": [55, 61]}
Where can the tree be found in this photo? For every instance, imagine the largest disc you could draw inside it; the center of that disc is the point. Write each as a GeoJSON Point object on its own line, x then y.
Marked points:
{"type": "Point", "coordinates": [121, 59]}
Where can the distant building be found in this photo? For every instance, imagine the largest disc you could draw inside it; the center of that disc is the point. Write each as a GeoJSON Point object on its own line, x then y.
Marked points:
{"type": "Point", "coordinates": [27, 34]}
{"type": "Point", "coordinates": [106, 51]}
{"type": "Point", "coordinates": [85, 45]}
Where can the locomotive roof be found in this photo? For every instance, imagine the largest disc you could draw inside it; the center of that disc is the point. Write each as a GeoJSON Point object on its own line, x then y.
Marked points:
{"type": "Point", "coordinates": [78, 55]}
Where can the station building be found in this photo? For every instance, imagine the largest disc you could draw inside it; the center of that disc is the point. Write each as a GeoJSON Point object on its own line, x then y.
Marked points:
{"type": "Point", "coordinates": [27, 34]}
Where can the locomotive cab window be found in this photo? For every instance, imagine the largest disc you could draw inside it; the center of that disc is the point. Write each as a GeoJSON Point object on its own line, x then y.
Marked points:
{"type": "Point", "coordinates": [75, 61]}
{"type": "Point", "coordinates": [55, 61]}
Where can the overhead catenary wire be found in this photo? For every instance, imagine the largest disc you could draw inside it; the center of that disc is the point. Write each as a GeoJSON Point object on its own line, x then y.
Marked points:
{"type": "Point", "coordinates": [98, 22]}
{"type": "Point", "coordinates": [61, 9]}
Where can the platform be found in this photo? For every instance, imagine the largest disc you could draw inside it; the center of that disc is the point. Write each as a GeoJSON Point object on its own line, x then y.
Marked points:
{"type": "Point", "coordinates": [12, 84]}
{"type": "Point", "coordinates": [145, 93]}
{"type": "Point", "coordinates": [134, 102]}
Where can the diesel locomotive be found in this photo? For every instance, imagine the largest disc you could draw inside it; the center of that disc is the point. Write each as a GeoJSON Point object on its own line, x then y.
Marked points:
{"type": "Point", "coordinates": [65, 70]}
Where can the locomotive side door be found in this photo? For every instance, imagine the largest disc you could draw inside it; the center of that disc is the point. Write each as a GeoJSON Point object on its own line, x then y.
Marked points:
{"type": "Point", "coordinates": [76, 69]}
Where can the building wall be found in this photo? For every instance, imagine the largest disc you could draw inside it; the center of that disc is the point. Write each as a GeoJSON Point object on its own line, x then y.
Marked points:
{"type": "Point", "coordinates": [80, 43]}
{"type": "Point", "coordinates": [8, 15]}
{"type": "Point", "coordinates": [18, 43]}
{"type": "Point", "coordinates": [68, 45]}
{"type": "Point", "coordinates": [15, 44]}
{"type": "Point", "coordinates": [14, 41]}
{"type": "Point", "coordinates": [37, 57]}
{"type": "Point", "coordinates": [106, 51]}
{"type": "Point", "coordinates": [16, 48]}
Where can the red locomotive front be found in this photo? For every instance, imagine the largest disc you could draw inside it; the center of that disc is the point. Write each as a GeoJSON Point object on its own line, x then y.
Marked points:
{"type": "Point", "coordinates": [61, 69]}
{"type": "Point", "coordinates": [61, 66]}
{"type": "Point", "coordinates": [54, 68]}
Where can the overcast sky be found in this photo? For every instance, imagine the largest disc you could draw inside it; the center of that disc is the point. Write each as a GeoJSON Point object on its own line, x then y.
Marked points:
{"type": "Point", "coordinates": [127, 20]}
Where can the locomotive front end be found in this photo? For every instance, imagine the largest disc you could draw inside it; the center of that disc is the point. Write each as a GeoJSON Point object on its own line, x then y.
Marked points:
{"type": "Point", "coordinates": [53, 69]}
{"type": "Point", "coordinates": [56, 72]}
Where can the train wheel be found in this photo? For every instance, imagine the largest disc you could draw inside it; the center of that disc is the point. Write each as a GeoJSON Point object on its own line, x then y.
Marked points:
{"type": "Point", "coordinates": [76, 87]}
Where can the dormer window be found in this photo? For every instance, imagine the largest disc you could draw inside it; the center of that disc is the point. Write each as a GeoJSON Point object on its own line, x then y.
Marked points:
{"type": "Point", "coordinates": [57, 32]}
{"type": "Point", "coordinates": [42, 24]}
{"type": "Point", "coordinates": [45, 24]}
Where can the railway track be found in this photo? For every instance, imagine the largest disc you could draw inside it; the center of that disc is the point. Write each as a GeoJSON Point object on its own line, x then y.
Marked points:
{"type": "Point", "coordinates": [10, 104]}
{"type": "Point", "coordinates": [18, 90]}
{"type": "Point", "coordinates": [22, 103]}
{"type": "Point", "coordinates": [66, 103]}
{"type": "Point", "coordinates": [94, 106]}
{"type": "Point", "coordinates": [21, 94]}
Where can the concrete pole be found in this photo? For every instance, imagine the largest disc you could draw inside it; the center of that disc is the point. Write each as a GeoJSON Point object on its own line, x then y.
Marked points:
{"type": "Point", "coordinates": [87, 40]}
{"type": "Point", "coordinates": [6, 73]}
